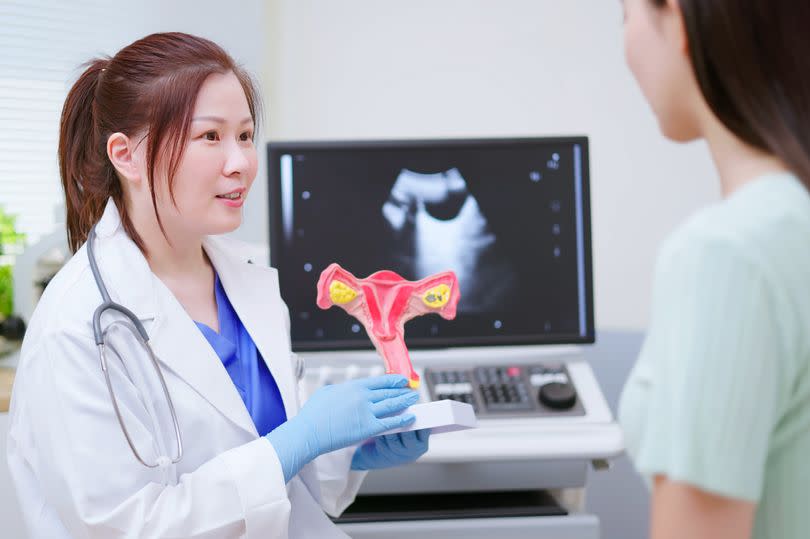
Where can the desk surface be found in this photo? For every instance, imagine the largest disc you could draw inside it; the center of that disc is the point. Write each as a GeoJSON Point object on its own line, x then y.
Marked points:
{"type": "Point", "coordinates": [6, 379]}
{"type": "Point", "coordinates": [7, 364]}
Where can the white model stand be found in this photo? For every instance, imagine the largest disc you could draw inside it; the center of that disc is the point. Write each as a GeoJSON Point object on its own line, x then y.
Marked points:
{"type": "Point", "coordinates": [440, 417]}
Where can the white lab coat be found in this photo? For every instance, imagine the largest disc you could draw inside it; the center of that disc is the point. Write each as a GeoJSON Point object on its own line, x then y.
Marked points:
{"type": "Point", "coordinates": [73, 470]}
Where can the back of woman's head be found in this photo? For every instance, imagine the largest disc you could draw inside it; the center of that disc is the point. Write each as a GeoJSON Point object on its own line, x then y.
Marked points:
{"type": "Point", "coordinates": [751, 59]}
{"type": "Point", "coordinates": [148, 88]}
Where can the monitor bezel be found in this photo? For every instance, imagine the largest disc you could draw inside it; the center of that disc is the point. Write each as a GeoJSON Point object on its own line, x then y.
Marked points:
{"type": "Point", "coordinates": [277, 148]}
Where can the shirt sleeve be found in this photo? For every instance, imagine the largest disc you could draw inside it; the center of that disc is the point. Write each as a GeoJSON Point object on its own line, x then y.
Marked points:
{"type": "Point", "coordinates": [712, 354]}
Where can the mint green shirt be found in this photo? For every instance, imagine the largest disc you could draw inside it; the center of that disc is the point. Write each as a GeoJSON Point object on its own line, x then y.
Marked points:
{"type": "Point", "coordinates": [720, 395]}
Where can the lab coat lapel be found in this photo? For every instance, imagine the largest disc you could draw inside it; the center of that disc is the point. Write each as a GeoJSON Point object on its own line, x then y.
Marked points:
{"type": "Point", "coordinates": [180, 345]}
{"type": "Point", "coordinates": [254, 293]}
{"type": "Point", "coordinates": [176, 340]}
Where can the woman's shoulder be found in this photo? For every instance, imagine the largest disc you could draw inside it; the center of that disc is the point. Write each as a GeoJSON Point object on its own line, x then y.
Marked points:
{"type": "Point", "coordinates": [67, 301]}
{"type": "Point", "coordinates": [765, 223]}
{"type": "Point", "coordinates": [749, 248]}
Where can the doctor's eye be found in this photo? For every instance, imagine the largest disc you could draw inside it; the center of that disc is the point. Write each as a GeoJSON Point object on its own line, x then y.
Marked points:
{"type": "Point", "coordinates": [211, 135]}
{"type": "Point", "coordinates": [341, 293]}
{"type": "Point", "coordinates": [247, 136]}
{"type": "Point", "coordinates": [436, 297]}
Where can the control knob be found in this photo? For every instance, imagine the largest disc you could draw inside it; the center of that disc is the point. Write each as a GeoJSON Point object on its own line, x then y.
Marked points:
{"type": "Point", "coordinates": [558, 396]}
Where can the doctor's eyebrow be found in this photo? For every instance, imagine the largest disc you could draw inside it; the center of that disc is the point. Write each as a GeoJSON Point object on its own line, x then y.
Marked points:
{"type": "Point", "coordinates": [219, 119]}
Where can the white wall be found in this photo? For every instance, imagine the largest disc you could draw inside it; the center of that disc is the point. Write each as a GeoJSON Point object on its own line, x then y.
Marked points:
{"type": "Point", "coordinates": [466, 68]}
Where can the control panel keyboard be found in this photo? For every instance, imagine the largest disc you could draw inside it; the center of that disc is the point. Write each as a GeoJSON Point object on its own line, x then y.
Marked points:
{"type": "Point", "coordinates": [508, 390]}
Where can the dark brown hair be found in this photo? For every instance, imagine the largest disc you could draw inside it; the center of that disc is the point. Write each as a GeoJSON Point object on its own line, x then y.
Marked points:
{"type": "Point", "coordinates": [149, 87]}
{"type": "Point", "coordinates": [751, 59]}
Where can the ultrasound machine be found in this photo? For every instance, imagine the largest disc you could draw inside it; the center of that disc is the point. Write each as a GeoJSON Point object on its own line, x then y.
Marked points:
{"type": "Point", "coordinates": [511, 217]}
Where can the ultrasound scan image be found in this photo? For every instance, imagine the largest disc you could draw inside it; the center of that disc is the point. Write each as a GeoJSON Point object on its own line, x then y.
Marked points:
{"type": "Point", "coordinates": [436, 224]}
{"type": "Point", "coordinates": [508, 219]}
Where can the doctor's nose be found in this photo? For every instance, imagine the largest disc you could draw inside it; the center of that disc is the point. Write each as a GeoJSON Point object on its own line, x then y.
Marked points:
{"type": "Point", "coordinates": [238, 160]}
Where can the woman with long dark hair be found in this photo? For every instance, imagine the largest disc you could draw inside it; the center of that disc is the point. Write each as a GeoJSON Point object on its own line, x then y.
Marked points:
{"type": "Point", "coordinates": [156, 394]}
{"type": "Point", "coordinates": [717, 409]}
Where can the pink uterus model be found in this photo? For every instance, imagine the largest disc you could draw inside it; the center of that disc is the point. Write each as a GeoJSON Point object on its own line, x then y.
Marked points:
{"type": "Point", "coordinates": [383, 302]}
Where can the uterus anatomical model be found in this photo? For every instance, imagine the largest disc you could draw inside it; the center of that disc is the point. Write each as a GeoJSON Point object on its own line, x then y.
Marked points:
{"type": "Point", "coordinates": [383, 302]}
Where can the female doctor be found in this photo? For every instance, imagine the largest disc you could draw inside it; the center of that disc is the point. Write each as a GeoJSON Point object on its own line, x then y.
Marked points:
{"type": "Point", "coordinates": [157, 155]}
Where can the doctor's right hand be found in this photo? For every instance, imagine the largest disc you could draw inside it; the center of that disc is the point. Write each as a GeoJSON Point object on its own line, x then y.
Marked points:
{"type": "Point", "coordinates": [340, 415]}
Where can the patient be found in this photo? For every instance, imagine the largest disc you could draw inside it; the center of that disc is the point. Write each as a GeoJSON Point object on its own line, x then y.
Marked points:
{"type": "Point", "coordinates": [717, 409]}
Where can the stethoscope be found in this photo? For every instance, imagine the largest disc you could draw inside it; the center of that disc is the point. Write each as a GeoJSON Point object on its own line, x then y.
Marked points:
{"type": "Point", "coordinates": [132, 324]}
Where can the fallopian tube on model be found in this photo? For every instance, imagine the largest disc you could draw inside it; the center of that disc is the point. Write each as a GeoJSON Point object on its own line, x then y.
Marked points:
{"type": "Point", "coordinates": [383, 302]}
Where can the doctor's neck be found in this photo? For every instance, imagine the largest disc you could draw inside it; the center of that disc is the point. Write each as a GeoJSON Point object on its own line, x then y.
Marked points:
{"type": "Point", "coordinates": [177, 255]}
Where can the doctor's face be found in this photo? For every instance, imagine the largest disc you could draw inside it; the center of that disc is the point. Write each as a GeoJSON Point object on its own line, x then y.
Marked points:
{"type": "Point", "coordinates": [657, 53]}
{"type": "Point", "coordinates": [218, 165]}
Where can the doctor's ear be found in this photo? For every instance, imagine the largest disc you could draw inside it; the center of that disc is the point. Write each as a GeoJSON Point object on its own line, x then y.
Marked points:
{"type": "Point", "coordinates": [122, 152]}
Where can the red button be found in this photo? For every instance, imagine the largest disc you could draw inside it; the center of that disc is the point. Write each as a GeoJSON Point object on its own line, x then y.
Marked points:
{"type": "Point", "coordinates": [513, 372]}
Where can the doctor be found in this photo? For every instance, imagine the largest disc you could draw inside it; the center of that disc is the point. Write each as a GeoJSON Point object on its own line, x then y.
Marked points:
{"type": "Point", "coordinates": [157, 155]}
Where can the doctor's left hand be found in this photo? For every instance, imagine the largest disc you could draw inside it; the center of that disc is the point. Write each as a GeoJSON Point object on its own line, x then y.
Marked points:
{"type": "Point", "coordinates": [391, 450]}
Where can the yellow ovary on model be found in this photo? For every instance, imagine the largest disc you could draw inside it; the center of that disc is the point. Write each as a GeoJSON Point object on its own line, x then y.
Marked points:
{"type": "Point", "coordinates": [341, 293]}
{"type": "Point", "coordinates": [437, 297]}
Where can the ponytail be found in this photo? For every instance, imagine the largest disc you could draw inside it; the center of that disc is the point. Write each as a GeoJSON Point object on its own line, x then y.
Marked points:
{"type": "Point", "coordinates": [88, 178]}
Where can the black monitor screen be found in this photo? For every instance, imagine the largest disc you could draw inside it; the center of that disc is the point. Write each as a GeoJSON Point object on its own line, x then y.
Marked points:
{"type": "Point", "coordinates": [510, 217]}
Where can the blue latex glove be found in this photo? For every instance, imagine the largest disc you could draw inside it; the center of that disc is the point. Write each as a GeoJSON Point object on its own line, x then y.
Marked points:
{"type": "Point", "coordinates": [391, 450]}
{"type": "Point", "coordinates": [340, 415]}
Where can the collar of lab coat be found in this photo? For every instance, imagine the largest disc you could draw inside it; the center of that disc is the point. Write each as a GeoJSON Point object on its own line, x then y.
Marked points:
{"type": "Point", "coordinates": [176, 340]}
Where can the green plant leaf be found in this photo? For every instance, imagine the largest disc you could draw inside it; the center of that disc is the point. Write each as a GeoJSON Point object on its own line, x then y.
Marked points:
{"type": "Point", "coordinates": [6, 292]}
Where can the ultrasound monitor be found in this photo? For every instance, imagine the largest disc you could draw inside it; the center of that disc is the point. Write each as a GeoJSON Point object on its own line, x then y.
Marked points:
{"type": "Point", "coordinates": [511, 217]}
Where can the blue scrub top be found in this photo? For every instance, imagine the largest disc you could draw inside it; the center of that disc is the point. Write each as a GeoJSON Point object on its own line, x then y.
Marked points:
{"type": "Point", "coordinates": [245, 365]}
